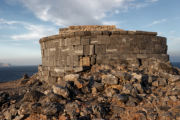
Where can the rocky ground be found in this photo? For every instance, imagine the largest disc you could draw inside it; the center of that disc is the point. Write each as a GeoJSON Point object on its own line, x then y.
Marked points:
{"type": "Point", "coordinates": [104, 92]}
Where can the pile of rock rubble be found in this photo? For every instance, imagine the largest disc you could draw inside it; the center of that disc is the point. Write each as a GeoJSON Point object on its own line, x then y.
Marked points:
{"type": "Point", "coordinates": [105, 92]}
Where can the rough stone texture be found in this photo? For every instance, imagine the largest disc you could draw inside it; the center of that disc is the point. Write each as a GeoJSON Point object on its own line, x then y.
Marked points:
{"type": "Point", "coordinates": [105, 92]}
{"type": "Point", "coordinates": [79, 47]}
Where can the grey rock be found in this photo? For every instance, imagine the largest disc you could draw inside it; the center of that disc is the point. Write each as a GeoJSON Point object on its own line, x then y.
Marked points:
{"type": "Point", "coordinates": [127, 88]}
{"type": "Point", "coordinates": [72, 109]}
{"type": "Point", "coordinates": [51, 108]}
{"type": "Point", "coordinates": [110, 92]}
{"type": "Point", "coordinates": [133, 101]}
{"type": "Point", "coordinates": [4, 97]}
{"type": "Point", "coordinates": [164, 108]}
{"type": "Point", "coordinates": [110, 79]}
{"type": "Point", "coordinates": [162, 81]}
{"type": "Point", "coordinates": [98, 86]}
{"type": "Point", "coordinates": [117, 109]}
{"type": "Point", "coordinates": [7, 115]}
{"type": "Point", "coordinates": [122, 97]}
{"type": "Point", "coordinates": [20, 117]}
{"type": "Point", "coordinates": [63, 91]}
{"type": "Point", "coordinates": [33, 96]}
{"type": "Point", "coordinates": [155, 83]}
{"type": "Point", "coordinates": [25, 108]}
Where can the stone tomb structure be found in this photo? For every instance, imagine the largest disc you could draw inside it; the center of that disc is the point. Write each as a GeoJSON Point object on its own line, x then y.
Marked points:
{"type": "Point", "coordinates": [78, 47]}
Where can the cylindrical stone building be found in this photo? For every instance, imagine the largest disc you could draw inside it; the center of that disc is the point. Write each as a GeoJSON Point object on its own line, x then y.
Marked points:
{"type": "Point", "coordinates": [79, 47]}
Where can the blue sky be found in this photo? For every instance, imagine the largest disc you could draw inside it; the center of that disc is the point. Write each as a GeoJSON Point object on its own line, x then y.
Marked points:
{"type": "Point", "coordinates": [24, 22]}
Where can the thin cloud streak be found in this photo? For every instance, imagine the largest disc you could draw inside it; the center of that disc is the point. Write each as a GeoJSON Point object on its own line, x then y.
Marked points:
{"type": "Point", "coordinates": [155, 23]}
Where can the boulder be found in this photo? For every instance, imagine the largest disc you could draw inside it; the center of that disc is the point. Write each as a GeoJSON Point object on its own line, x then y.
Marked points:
{"type": "Point", "coordinates": [37, 117]}
{"type": "Point", "coordinates": [51, 109]}
{"type": "Point", "coordinates": [72, 109]}
{"type": "Point", "coordinates": [122, 97]}
{"type": "Point", "coordinates": [63, 91]}
{"type": "Point", "coordinates": [109, 79]}
{"type": "Point", "coordinates": [4, 97]}
{"type": "Point", "coordinates": [71, 77]}
{"type": "Point", "coordinates": [110, 92]}
{"type": "Point", "coordinates": [33, 96]}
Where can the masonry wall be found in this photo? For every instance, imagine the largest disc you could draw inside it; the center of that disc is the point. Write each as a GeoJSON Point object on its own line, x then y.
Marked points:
{"type": "Point", "coordinates": [76, 48]}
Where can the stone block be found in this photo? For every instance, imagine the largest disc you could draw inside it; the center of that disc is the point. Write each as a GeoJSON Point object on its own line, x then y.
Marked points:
{"type": "Point", "coordinates": [71, 34]}
{"type": "Point", "coordinates": [59, 69]}
{"type": "Point", "coordinates": [76, 40]}
{"type": "Point", "coordinates": [45, 73]}
{"type": "Point", "coordinates": [61, 42]}
{"type": "Point", "coordinates": [85, 61]}
{"type": "Point", "coordinates": [88, 49]}
{"type": "Point", "coordinates": [67, 42]}
{"type": "Point", "coordinates": [68, 69]}
{"type": "Point", "coordinates": [93, 60]}
{"type": "Point", "coordinates": [115, 32]}
{"type": "Point", "coordinates": [111, 50]}
{"type": "Point", "coordinates": [100, 49]}
{"type": "Point", "coordinates": [95, 40]}
{"type": "Point", "coordinates": [131, 32]}
{"type": "Point", "coordinates": [106, 33]}
{"type": "Point", "coordinates": [68, 60]}
{"type": "Point", "coordinates": [78, 69]}
{"type": "Point", "coordinates": [75, 60]}
{"type": "Point", "coordinates": [65, 49]}
{"type": "Point", "coordinates": [87, 33]}
{"type": "Point", "coordinates": [142, 56]}
{"type": "Point", "coordinates": [95, 33]}
{"type": "Point", "coordinates": [123, 32]}
{"type": "Point", "coordinates": [85, 41]}
{"type": "Point", "coordinates": [79, 33]}
{"type": "Point", "coordinates": [78, 50]}
{"type": "Point", "coordinates": [105, 39]}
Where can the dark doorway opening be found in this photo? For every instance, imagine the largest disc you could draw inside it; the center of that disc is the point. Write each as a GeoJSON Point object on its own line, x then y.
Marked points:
{"type": "Point", "coordinates": [140, 62]}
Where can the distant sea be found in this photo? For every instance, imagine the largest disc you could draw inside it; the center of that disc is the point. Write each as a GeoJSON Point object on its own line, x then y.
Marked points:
{"type": "Point", "coordinates": [176, 64]}
{"type": "Point", "coordinates": [17, 72]}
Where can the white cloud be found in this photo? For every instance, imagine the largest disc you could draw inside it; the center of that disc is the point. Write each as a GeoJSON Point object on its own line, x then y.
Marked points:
{"type": "Point", "coordinates": [32, 31]}
{"type": "Point", "coordinates": [79, 12]}
{"type": "Point", "coordinates": [156, 22]}
{"type": "Point", "coordinates": [35, 32]}
{"type": "Point", "coordinates": [3, 21]}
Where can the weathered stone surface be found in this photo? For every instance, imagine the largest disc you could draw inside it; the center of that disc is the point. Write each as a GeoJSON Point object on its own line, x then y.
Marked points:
{"type": "Point", "coordinates": [37, 117]}
{"type": "Point", "coordinates": [72, 109]}
{"type": "Point", "coordinates": [140, 93]}
{"type": "Point", "coordinates": [51, 108]}
{"type": "Point", "coordinates": [4, 96]}
{"type": "Point", "coordinates": [33, 96]}
{"type": "Point", "coordinates": [110, 79]}
{"type": "Point", "coordinates": [122, 97]}
{"type": "Point", "coordinates": [63, 91]}
{"type": "Point", "coordinates": [78, 47]}
{"type": "Point", "coordinates": [71, 77]}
